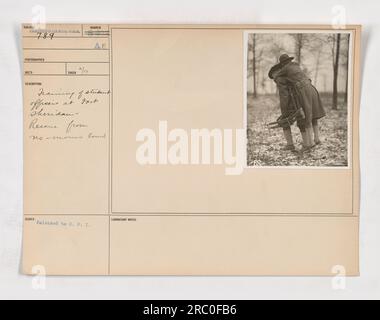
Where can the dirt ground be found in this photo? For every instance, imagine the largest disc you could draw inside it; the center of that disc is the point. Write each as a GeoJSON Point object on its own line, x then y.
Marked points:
{"type": "Point", "coordinates": [265, 146]}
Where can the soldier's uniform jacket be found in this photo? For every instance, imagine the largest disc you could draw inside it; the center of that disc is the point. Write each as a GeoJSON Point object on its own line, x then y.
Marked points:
{"type": "Point", "coordinates": [291, 79]}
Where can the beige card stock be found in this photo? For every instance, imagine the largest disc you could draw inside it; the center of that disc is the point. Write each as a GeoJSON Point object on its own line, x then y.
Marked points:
{"type": "Point", "coordinates": [98, 200]}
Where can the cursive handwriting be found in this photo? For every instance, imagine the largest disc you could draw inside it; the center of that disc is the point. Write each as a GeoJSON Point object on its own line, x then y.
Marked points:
{"type": "Point", "coordinates": [72, 125]}
{"type": "Point", "coordinates": [34, 125]}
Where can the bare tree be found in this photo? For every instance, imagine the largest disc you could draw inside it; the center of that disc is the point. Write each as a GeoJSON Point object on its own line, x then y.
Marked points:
{"type": "Point", "coordinates": [301, 41]}
{"type": "Point", "coordinates": [346, 54]}
{"type": "Point", "coordinates": [257, 64]}
{"type": "Point", "coordinates": [334, 41]}
{"type": "Point", "coordinates": [299, 47]}
{"type": "Point", "coordinates": [315, 49]}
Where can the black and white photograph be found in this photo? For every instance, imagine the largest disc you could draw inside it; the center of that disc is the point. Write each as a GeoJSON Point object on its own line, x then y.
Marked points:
{"type": "Point", "coordinates": [298, 97]}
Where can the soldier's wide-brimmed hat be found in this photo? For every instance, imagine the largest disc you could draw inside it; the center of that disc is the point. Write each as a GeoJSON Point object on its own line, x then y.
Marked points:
{"type": "Point", "coordinates": [285, 58]}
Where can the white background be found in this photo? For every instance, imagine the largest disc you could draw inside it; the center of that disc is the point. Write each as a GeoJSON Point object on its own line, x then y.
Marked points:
{"type": "Point", "coordinates": [14, 12]}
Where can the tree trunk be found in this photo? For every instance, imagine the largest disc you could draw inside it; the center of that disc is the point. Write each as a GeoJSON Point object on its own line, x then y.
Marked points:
{"type": "Point", "coordinates": [336, 73]}
{"type": "Point", "coordinates": [347, 71]}
{"type": "Point", "coordinates": [346, 94]}
{"type": "Point", "coordinates": [299, 48]}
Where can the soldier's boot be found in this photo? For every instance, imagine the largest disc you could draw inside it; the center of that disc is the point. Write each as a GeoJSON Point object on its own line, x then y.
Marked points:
{"type": "Point", "coordinates": [307, 139]}
{"type": "Point", "coordinates": [317, 139]}
{"type": "Point", "coordinates": [289, 140]}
